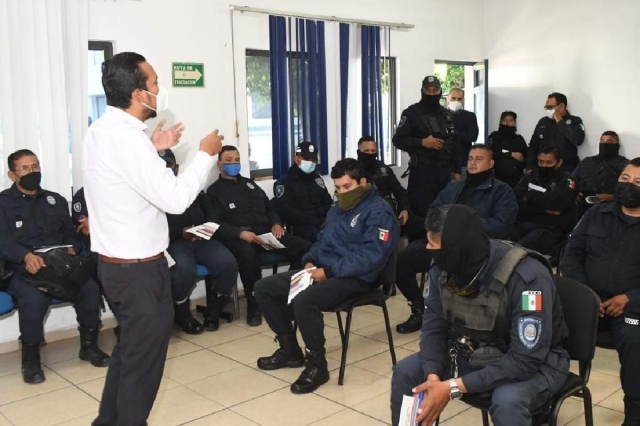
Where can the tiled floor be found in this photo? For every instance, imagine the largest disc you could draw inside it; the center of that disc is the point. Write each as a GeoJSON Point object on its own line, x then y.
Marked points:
{"type": "Point", "coordinates": [212, 379]}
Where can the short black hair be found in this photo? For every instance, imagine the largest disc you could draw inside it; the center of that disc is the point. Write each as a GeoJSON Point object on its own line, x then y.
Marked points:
{"type": "Point", "coordinates": [11, 160]}
{"type": "Point", "coordinates": [612, 134]}
{"type": "Point", "coordinates": [483, 147]}
{"type": "Point", "coordinates": [550, 149]}
{"type": "Point", "coordinates": [506, 114]}
{"type": "Point", "coordinates": [366, 139]}
{"type": "Point", "coordinates": [635, 162]}
{"type": "Point", "coordinates": [560, 98]}
{"type": "Point", "coordinates": [225, 149]}
{"type": "Point", "coordinates": [121, 75]}
{"type": "Point", "coordinates": [436, 217]}
{"type": "Point", "coordinates": [348, 166]}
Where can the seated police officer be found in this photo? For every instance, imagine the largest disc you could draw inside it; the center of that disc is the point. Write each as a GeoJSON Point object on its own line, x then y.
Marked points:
{"type": "Point", "coordinates": [31, 217]}
{"type": "Point", "coordinates": [521, 361]}
{"type": "Point", "coordinates": [491, 198]}
{"type": "Point", "coordinates": [509, 150]}
{"type": "Point", "coordinates": [597, 176]}
{"type": "Point", "coordinates": [352, 250]}
{"type": "Point", "coordinates": [301, 198]}
{"type": "Point", "coordinates": [603, 252]}
{"type": "Point", "coordinates": [187, 250]}
{"type": "Point", "coordinates": [244, 212]}
{"type": "Point", "coordinates": [547, 200]}
{"type": "Point", "coordinates": [383, 177]}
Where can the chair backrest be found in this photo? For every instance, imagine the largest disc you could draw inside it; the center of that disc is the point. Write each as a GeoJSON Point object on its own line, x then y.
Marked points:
{"type": "Point", "coordinates": [581, 308]}
{"type": "Point", "coordinates": [387, 278]}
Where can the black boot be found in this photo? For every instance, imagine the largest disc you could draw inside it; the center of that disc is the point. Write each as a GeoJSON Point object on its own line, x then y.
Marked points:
{"type": "Point", "coordinates": [315, 373]}
{"type": "Point", "coordinates": [215, 305]}
{"type": "Point", "coordinates": [414, 323]}
{"type": "Point", "coordinates": [254, 314]}
{"type": "Point", "coordinates": [184, 319]}
{"type": "Point", "coordinates": [89, 350]}
{"type": "Point", "coordinates": [631, 412]}
{"type": "Point", "coordinates": [31, 370]}
{"type": "Point", "coordinates": [288, 355]}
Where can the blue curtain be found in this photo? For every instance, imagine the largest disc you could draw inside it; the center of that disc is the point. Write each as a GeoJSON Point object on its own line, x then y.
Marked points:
{"type": "Point", "coordinates": [344, 86]}
{"type": "Point", "coordinates": [279, 97]}
{"type": "Point", "coordinates": [372, 118]}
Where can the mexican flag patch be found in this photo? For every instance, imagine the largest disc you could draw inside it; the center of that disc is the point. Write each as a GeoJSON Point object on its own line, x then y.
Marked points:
{"type": "Point", "coordinates": [383, 235]}
{"type": "Point", "coordinates": [531, 300]}
{"type": "Point", "coordinates": [572, 183]}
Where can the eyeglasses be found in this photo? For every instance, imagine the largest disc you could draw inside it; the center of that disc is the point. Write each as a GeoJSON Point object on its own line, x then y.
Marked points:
{"type": "Point", "coordinates": [549, 107]}
{"type": "Point", "coordinates": [27, 169]}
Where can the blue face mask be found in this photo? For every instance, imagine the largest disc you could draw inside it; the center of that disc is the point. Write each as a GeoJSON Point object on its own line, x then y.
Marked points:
{"type": "Point", "coordinates": [307, 166]}
{"type": "Point", "coordinates": [231, 169]}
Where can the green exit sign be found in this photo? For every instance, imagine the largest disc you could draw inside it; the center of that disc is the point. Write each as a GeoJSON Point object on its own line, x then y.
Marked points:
{"type": "Point", "coordinates": [186, 74]}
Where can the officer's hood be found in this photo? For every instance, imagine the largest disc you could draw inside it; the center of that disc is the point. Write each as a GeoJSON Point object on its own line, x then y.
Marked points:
{"type": "Point", "coordinates": [464, 245]}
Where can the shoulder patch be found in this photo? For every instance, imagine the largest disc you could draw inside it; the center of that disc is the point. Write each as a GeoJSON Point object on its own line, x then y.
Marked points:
{"type": "Point", "coordinates": [77, 207]}
{"type": "Point", "coordinates": [529, 329]}
{"type": "Point", "coordinates": [320, 183]}
{"type": "Point", "coordinates": [354, 221]}
{"type": "Point", "coordinates": [582, 127]}
{"type": "Point", "coordinates": [279, 191]}
{"type": "Point", "coordinates": [569, 121]}
{"type": "Point", "coordinates": [51, 200]}
{"type": "Point", "coordinates": [403, 120]}
{"type": "Point", "coordinates": [250, 185]}
{"type": "Point", "coordinates": [383, 235]}
{"type": "Point", "coordinates": [571, 183]}
{"type": "Point", "coordinates": [532, 301]}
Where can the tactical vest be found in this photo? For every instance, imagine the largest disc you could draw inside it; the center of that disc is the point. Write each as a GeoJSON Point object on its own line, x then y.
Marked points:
{"type": "Point", "coordinates": [486, 318]}
{"type": "Point", "coordinates": [440, 125]}
{"type": "Point", "coordinates": [598, 176]}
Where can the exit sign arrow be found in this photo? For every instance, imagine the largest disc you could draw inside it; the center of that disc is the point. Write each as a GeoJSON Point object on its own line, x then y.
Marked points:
{"type": "Point", "coordinates": [188, 75]}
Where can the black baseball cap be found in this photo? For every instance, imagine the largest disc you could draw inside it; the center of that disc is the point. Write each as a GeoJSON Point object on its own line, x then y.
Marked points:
{"type": "Point", "coordinates": [168, 156]}
{"type": "Point", "coordinates": [431, 80]}
{"type": "Point", "coordinates": [307, 151]}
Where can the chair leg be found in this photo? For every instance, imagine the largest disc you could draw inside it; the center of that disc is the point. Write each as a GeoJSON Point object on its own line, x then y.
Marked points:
{"type": "Point", "coordinates": [340, 327]}
{"type": "Point", "coordinates": [588, 407]}
{"type": "Point", "coordinates": [389, 335]}
{"type": "Point", "coordinates": [423, 279]}
{"type": "Point", "coordinates": [275, 268]}
{"type": "Point", "coordinates": [207, 289]}
{"type": "Point", "coordinates": [345, 347]}
{"type": "Point", "coordinates": [485, 418]}
{"type": "Point", "coordinates": [555, 412]}
{"type": "Point", "coordinates": [236, 302]}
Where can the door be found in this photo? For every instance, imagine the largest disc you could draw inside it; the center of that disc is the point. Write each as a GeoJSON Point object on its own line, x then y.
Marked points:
{"type": "Point", "coordinates": [481, 98]}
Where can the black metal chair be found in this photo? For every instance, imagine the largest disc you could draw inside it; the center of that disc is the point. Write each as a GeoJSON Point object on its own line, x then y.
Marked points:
{"type": "Point", "coordinates": [581, 307]}
{"type": "Point", "coordinates": [378, 297]}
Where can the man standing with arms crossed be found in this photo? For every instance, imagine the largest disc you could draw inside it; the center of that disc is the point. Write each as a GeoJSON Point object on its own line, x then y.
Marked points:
{"type": "Point", "coordinates": [129, 190]}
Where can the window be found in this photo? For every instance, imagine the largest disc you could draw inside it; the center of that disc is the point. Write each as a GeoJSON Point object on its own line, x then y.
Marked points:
{"type": "Point", "coordinates": [99, 51]}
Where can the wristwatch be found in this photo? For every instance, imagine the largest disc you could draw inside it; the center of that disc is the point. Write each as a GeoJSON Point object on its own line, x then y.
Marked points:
{"type": "Point", "coordinates": [455, 390]}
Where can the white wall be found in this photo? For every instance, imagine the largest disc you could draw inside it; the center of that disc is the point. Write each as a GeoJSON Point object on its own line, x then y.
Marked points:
{"type": "Point", "coordinates": [167, 31]}
{"type": "Point", "coordinates": [586, 49]}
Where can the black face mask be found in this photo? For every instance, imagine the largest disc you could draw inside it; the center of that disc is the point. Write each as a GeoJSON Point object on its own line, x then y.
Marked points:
{"type": "Point", "coordinates": [507, 130]}
{"type": "Point", "coordinates": [608, 150]}
{"type": "Point", "coordinates": [475, 179]}
{"type": "Point", "coordinates": [31, 182]}
{"type": "Point", "coordinates": [628, 194]}
{"type": "Point", "coordinates": [465, 246]}
{"type": "Point", "coordinates": [367, 160]}
{"type": "Point", "coordinates": [546, 173]}
{"type": "Point", "coordinates": [431, 102]}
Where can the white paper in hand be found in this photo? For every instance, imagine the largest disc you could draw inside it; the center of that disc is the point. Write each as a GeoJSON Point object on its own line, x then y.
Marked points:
{"type": "Point", "coordinates": [535, 187]}
{"type": "Point", "coordinates": [43, 250]}
{"type": "Point", "coordinates": [204, 231]}
{"type": "Point", "coordinates": [409, 410]}
{"type": "Point", "coordinates": [270, 241]}
{"type": "Point", "coordinates": [300, 282]}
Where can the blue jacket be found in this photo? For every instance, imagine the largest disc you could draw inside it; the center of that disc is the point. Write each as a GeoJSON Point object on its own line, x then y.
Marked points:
{"type": "Point", "coordinates": [494, 201]}
{"type": "Point", "coordinates": [356, 243]}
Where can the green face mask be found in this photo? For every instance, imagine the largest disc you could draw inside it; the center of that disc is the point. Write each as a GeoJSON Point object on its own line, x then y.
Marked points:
{"type": "Point", "coordinates": [349, 200]}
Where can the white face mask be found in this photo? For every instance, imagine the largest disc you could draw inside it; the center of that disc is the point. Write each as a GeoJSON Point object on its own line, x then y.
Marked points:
{"type": "Point", "coordinates": [162, 100]}
{"type": "Point", "coordinates": [455, 106]}
{"type": "Point", "coordinates": [550, 112]}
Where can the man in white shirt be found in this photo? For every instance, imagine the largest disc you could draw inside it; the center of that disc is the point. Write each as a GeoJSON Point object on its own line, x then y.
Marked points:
{"type": "Point", "coordinates": [129, 190]}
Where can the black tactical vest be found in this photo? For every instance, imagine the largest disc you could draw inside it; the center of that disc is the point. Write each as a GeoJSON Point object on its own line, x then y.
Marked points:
{"type": "Point", "coordinates": [440, 125]}
{"type": "Point", "coordinates": [486, 318]}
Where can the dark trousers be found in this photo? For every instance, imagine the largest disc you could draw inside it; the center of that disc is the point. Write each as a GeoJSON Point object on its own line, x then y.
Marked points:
{"type": "Point", "coordinates": [424, 186]}
{"type": "Point", "coordinates": [626, 338]}
{"type": "Point", "coordinates": [308, 232]}
{"type": "Point", "coordinates": [33, 305]}
{"type": "Point", "coordinates": [415, 258]}
{"type": "Point", "coordinates": [511, 404]}
{"type": "Point", "coordinates": [140, 294]}
{"type": "Point", "coordinates": [213, 254]}
{"type": "Point", "coordinates": [306, 309]}
{"type": "Point", "coordinates": [544, 239]}
{"type": "Point", "coordinates": [248, 257]}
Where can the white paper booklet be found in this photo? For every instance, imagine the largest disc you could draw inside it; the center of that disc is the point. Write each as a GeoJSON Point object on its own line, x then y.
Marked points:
{"type": "Point", "coordinates": [409, 410]}
{"type": "Point", "coordinates": [204, 231]}
{"type": "Point", "coordinates": [270, 241]}
{"type": "Point", "coordinates": [300, 282]}
{"type": "Point", "coordinates": [46, 249]}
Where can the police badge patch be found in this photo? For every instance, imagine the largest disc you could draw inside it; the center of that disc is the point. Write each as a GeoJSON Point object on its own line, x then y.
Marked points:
{"type": "Point", "coordinates": [569, 121]}
{"type": "Point", "coordinates": [354, 221]}
{"type": "Point", "coordinates": [403, 120]}
{"type": "Point", "coordinates": [320, 183]}
{"type": "Point", "coordinates": [77, 207]}
{"type": "Point", "coordinates": [250, 185]}
{"type": "Point", "coordinates": [51, 200]}
{"type": "Point", "coordinates": [529, 331]}
{"type": "Point", "coordinates": [279, 191]}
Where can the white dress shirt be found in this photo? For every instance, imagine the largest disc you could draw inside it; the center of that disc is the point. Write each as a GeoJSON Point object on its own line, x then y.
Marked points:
{"type": "Point", "coordinates": [128, 187]}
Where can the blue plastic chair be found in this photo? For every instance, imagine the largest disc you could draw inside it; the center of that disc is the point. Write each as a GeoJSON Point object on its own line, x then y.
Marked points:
{"type": "Point", "coordinates": [6, 303]}
{"type": "Point", "coordinates": [203, 272]}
